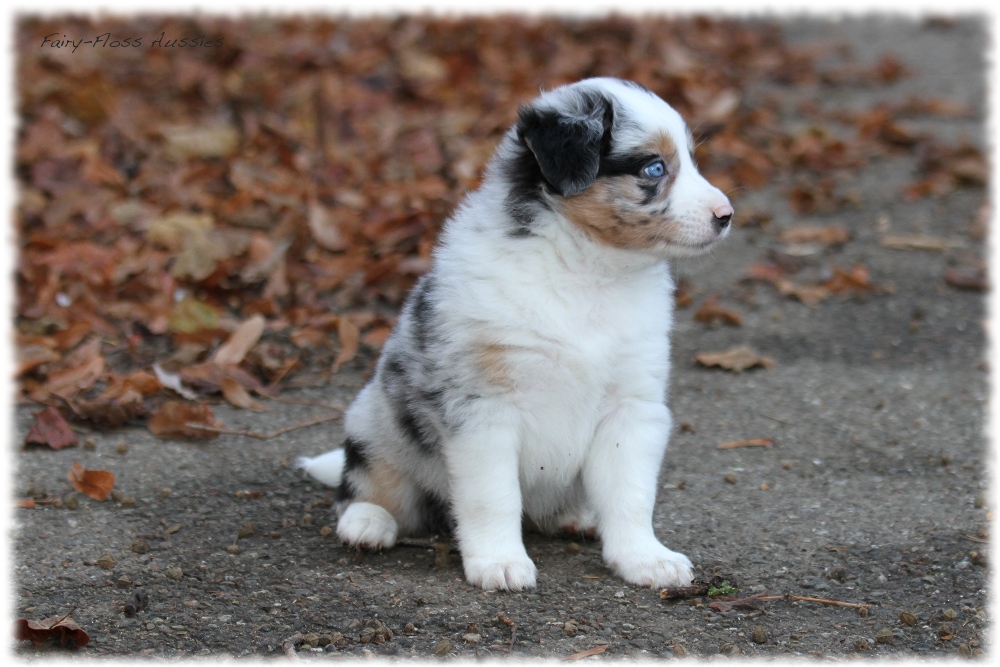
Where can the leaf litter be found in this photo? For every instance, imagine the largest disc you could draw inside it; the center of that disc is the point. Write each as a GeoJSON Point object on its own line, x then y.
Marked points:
{"type": "Point", "coordinates": [279, 237]}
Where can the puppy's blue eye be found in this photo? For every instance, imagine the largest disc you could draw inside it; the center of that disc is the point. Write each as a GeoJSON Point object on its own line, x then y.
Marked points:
{"type": "Point", "coordinates": [655, 170]}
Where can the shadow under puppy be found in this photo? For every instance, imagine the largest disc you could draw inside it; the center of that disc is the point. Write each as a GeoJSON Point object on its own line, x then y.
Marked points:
{"type": "Point", "coordinates": [527, 374]}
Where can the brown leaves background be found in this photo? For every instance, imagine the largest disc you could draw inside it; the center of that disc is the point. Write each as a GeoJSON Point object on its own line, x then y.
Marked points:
{"type": "Point", "coordinates": [249, 216]}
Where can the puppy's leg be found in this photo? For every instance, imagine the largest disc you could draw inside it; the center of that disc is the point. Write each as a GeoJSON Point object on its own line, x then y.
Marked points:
{"type": "Point", "coordinates": [486, 502]}
{"type": "Point", "coordinates": [620, 476]}
{"type": "Point", "coordinates": [376, 500]}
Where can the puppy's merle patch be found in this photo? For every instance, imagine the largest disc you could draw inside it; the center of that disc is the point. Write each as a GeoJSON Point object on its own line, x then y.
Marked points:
{"type": "Point", "coordinates": [568, 147]}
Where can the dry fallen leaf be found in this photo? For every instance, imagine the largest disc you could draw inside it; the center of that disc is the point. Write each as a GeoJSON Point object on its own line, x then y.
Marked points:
{"type": "Point", "coordinates": [919, 242]}
{"type": "Point", "coordinates": [49, 428]}
{"type": "Point", "coordinates": [71, 380]}
{"type": "Point", "coordinates": [601, 648]}
{"type": "Point", "coordinates": [62, 628]}
{"type": "Point", "coordinates": [245, 336]}
{"type": "Point", "coordinates": [96, 484]}
{"type": "Point", "coordinates": [823, 234]}
{"type": "Point", "coordinates": [349, 339]}
{"type": "Point", "coordinates": [32, 356]}
{"type": "Point", "coordinates": [711, 312]}
{"type": "Point", "coordinates": [172, 381]}
{"type": "Point", "coordinates": [857, 279]}
{"type": "Point", "coordinates": [807, 294]}
{"type": "Point", "coordinates": [974, 280]}
{"type": "Point", "coordinates": [237, 395]}
{"type": "Point", "coordinates": [753, 442]}
{"type": "Point", "coordinates": [736, 359]}
{"type": "Point", "coordinates": [171, 421]}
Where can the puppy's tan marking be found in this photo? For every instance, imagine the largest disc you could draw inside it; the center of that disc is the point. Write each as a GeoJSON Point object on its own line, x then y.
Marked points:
{"type": "Point", "coordinates": [386, 483]}
{"type": "Point", "coordinates": [611, 210]}
{"type": "Point", "coordinates": [490, 359]}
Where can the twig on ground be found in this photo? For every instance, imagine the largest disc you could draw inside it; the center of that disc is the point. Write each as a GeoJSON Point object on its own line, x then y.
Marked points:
{"type": "Point", "coordinates": [803, 598]}
{"type": "Point", "coordinates": [692, 591]}
{"type": "Point", "coordinates": [263, 436]}
{"type": "Point", "coordinates": [288, 646]}
{"type": "Point", "coordinates": [512, 625]}
{"type": "Point", "coordinates": [589, 652]}
{"type": "Point", "coordinates": [302, 401]}
{"type": "Point", "coordinates": [781, 421]}
{"type": "Point", "coordinates": [975, 539]}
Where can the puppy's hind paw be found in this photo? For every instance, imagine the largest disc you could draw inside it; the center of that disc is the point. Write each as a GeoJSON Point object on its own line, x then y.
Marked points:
{"type": "Point", "coordinates": [510, 574]}
{"type": "Point", "coordinates": [367, 525]}
{"type": "Point", "coordinates": [656, 567]}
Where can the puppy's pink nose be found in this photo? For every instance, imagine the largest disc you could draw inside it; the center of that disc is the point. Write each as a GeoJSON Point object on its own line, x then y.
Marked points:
{"type": "Point", "coordinates": [723, 214]}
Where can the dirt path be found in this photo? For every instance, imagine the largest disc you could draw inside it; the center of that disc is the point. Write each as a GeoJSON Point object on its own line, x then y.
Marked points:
{"type": "Point", "coordinates": [872, 493]}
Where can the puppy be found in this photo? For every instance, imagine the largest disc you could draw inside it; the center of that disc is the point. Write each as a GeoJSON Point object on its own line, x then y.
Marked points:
{"type": "Point", "coordinates": [527, 374]}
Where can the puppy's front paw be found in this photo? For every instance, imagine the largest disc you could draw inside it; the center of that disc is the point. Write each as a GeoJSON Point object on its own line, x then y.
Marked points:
{"type": "Point", "coordinates": [654, 566]}
{"type": "Point", "coordinates": [511, 574]}
{"type": "Point", "coordinates": [367, 525]}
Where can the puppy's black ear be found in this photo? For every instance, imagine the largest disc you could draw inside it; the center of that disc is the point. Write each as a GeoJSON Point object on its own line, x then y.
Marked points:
{"type": "Point", "coordinates": [568, 146]}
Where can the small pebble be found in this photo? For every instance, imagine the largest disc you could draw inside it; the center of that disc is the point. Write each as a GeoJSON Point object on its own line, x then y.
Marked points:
{"type": "Point", "coordinates": [128, 502]}
{"type": "Point", "coordinates": [982, 499]}
{"type": "Point", "coordinates": [165, 491]}
{"type": "Point", "coordinates": [308, 520]}
{"type": "Point", "coordinates": [124, 582]}
{"type": "Point", "coordinates": [884, 636]}
{"type": "Point", "coordinates": [117, 495]}
{"type": "Point", "coordinates": [945, 630]}
{"type": "Point", "coordinates": [860, 644]}
{"type": "Point", "coordinates": [839, 573]}
{"type": "Point", "coordinates": [172, 529]}
{"type": "Point", "coordinates": [950, 614]}
{"type": "Point", "coordinates": [71, 502]}
{"type": "Point", "coordinates": [729, 649]}
{"type": "Point", "coordinates": [570, 628]}
{"type": "Point", "coordinates": [679, 651]}
{"type": "Point", "coordinates": [573, 548]}
{"type": "Point", "coordinates": [233, 549]}
{"type": "Point", "coordinates": [326, 531]}
{"type": "Point", "coordinates": [759, 635]}
{"type": "Point", "coordinates": [409, 628]}
{"type": "Point", "coordinates": [246, 530]}
{"type": "Point", "coordinates": [730, 478]}
{"type": "Point", "coordinates": [121, 447]}
{"type": "Point", "coordinates": [787, 464]}
{"type": "Point", "coordinates": [765, 486]}
{"type": "Point", "coordinates": [908, 619]}
{"type": "Point", "coordinates": [442, 647]}
{"type": "Point", "coordinates": [312, 639]}
{"type": "Point", "coordinates": [175, 573]}
{"type": "Point", "coordinates": [472, 637]}
{"type": "Point", "coordinates": [863, 612]}
{"type": "Point", "coordinates": [441, 550]}
{"type": "Point", "coordinates": [106, 562]}
{"type": "Point", "coordinates": [90, 444]}
{"type": "Point", "coordinates": [140, 547]}
{"type": "Point", "coordinates": [965, 651]}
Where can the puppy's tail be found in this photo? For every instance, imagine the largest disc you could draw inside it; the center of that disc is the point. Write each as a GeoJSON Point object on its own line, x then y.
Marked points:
{"type": "Point", "coordinates": [326, 468]}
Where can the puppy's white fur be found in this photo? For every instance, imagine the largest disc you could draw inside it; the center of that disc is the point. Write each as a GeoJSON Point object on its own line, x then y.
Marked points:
{"type": "Point", "coordinates": [527, 376]}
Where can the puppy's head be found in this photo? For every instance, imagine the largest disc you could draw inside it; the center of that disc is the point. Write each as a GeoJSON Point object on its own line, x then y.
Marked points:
{"type": "Point", "coordinates": [616, 161]}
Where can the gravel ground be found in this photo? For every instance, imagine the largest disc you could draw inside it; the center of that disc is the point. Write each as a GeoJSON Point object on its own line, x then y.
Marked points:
{"type": "Point", "coordinates": [874, 492]}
